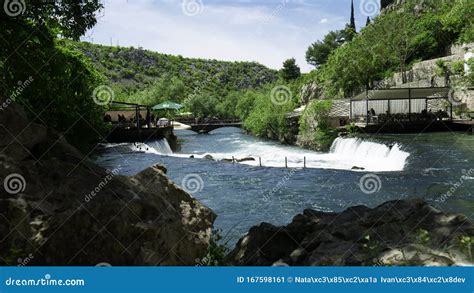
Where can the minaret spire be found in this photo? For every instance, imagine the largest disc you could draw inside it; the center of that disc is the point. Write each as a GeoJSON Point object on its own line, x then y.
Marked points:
{"type": "Point", "coordinates": [353, 24]}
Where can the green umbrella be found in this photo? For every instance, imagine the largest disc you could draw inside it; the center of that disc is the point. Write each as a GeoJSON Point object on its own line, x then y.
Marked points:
{"type": "Point", "coordinates": [167, 106]}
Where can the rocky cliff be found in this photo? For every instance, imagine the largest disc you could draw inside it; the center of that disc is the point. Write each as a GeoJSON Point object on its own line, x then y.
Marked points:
{"type": "Point", "coordinates": [394, 233]}
{"type": "Point", "coordinates": [58, 208]}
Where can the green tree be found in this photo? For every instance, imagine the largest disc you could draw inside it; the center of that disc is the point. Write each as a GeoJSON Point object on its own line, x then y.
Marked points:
{"type": "Point", "coordinates": [405, 40]}
{"type": "Point", "coordinates": [290, 70]}
{"type": "Point", "coordinates": [245, 104]}
{"type": "Point", "coordinates": [459, 20]}
{"type": "Point", "coordinates": [348, 33]}
{"type": "Point", "coordinates": [63, 81]}
{"type": "Point", "coordinates": [203, 105]}
{"type": "Point", "coordinates": [69, 18]}
{"type": "Point", "coordinates": [318, 53]}
{"type": "Point", "coordinates": [267, 119]}
{"type": "Point", "coordinates": [166, 88]}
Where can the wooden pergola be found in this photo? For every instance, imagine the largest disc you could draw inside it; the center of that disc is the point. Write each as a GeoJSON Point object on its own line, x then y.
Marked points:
{"type": "Point", "coordinates": [398, 100]}
{"type": "Point", "coordinates": [137, 108]}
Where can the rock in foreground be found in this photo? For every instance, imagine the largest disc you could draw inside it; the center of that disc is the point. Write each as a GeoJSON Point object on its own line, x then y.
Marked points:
{"type": "Point", "coordinates": [394, 233]}
{"type": "Point", "coordinates": [58, 208]}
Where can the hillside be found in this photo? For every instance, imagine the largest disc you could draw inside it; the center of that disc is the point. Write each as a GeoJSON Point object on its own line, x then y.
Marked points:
{"type": "Point", "coordinates": [149, 77]}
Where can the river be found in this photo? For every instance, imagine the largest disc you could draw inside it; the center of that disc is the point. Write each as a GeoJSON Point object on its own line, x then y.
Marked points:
{"type": "Point", "coordinates": [435, 167]}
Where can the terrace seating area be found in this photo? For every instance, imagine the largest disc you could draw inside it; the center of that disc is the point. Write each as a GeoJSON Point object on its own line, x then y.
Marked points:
{"type": "Point", "coordinates": [401, 105]}
{"type": "Point", "coordinates": [405, 118]}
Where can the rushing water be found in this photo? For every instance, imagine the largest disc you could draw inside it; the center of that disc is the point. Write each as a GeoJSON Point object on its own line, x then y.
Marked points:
{"type": "Point", "coordinates": [424, 166]}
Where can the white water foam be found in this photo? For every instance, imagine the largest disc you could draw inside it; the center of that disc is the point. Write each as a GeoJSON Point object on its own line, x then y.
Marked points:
{"type": "Point", "coordinates": [158, 147]}
{"type": "Point", "coordinates": [370, 155]}
{"type": "Point", "coordinates": [345, 154]}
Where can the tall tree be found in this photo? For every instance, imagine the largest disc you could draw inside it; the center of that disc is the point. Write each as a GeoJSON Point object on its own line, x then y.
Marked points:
{"type": "Point", "coordinates": [59, 82]}
{"type": "Point", "coordinates": [405, 40]}
{"type": "Point", "coordinates": [368, 21]}
{"type": "Point", "coordinates": [318, 53]}
{"type": "Point", "coordinates": [68, 18]}
{"type": "Point", "coordinates": [348, 33]}
{"type": "Point", "coordinates": [290, 70]}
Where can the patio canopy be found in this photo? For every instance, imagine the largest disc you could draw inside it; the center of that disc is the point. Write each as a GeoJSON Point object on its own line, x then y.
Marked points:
{"type": "Point", "coordinates": [404, 93]}
{"type": "Point", "coordinates": [168, 106]}
{"type": "Point", "coordinates": [412, 102]}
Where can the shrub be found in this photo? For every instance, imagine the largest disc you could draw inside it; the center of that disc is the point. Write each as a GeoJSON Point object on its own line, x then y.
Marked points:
{"type": "Point", "coordinates": [458, 67]}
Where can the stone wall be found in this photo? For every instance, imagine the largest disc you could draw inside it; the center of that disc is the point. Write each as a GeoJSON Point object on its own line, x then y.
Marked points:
{"type": "Point", "coordinates": [425, 74]}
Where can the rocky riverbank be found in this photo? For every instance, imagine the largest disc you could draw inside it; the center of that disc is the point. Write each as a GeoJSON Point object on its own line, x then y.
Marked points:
{"type": "Point", "coordinates": [394, 233]}
{"type": "Point", "coordinates": [58, 208]}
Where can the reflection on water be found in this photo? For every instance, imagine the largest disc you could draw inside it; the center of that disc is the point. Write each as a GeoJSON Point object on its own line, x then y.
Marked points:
{"type": "Point", "coordinates": [242, 195]}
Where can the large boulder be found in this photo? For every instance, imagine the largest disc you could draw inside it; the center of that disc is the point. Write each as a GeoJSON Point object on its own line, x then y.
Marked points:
{"type": "Point", "coordinates": [394, 233]}
{"type": "Point", "coordinates": [59, 208]}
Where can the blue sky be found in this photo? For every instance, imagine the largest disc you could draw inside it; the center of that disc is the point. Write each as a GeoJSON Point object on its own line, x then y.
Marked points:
{"type": "Point", "coordinates": [265, 31]}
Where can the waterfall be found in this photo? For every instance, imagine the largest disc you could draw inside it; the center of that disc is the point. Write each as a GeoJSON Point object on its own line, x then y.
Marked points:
{"type": "Point", "coordinates": [162, 147]}
{"type": "Point", "coordinates": [370, 155]}
{"type": "Point", "coordinates": [157, 147]}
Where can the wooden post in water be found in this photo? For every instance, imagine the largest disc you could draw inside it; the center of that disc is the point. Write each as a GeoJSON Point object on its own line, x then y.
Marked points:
{"type": "Point", "coordinates": [409, 104]}
{"type": "Point", "coordinates": [260, 161]}
{"type": "Point", "coordinates": [286, 162]}
{"type": "Point", "coordinates": [367, 105]}
{"type": "Point", "coordinates": [304, 163]}
{"type": "Point", "coordinates": [233, 160]}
